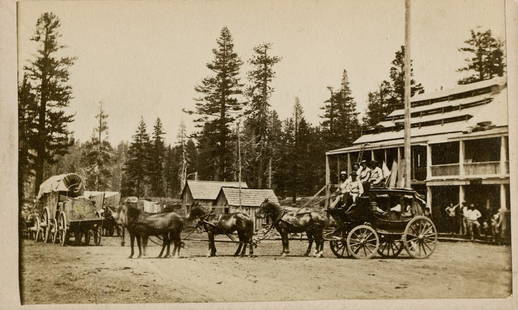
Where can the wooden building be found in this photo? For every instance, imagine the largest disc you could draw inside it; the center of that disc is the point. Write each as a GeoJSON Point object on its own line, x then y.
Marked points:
{"type": "Point", "coordinates": [204, 192]}
{"type": "Point", "coordinates": [459, 141]}
{"type": "Point", "coordinates": [247, 200]}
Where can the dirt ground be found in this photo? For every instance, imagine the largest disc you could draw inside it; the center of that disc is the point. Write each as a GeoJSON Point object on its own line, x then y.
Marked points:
{"type": "Point", "coordinates": [104, 274]}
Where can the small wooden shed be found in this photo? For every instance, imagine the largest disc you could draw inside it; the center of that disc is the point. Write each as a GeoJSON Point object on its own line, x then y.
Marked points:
{"type": "Point", "coordinates": [204, 192]}
{"type": "Point", "coordinates": [229, 200]}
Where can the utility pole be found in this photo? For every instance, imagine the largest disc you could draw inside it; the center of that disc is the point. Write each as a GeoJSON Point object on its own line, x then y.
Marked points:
{"type": "Point", "coordinates": [408, 70]}
{"type": "Point", "coordinates": [239, 162]}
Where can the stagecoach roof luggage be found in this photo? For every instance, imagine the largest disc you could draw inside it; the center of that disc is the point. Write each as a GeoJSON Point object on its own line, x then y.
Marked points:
{"type": "Point", "coordinates": [70, 183]}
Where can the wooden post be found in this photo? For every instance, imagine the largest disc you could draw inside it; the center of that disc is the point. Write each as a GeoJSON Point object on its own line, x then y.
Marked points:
{"type": "Point", "coordinates": [407, 67]}
{"type": "Point", "coordinates": [428, 161]}
{"type": "Point", "coordinates": [385, 158]}
{"type": "Point", "coordinates": [328, 182]}
{"type": "Point", "coordinates": [429, 198]}
{"type": "Point", "coordinates": [461, 194]}
{"type": "Point", "coordinates": [349, 165]}
{"type": "Point", "coordinates": [461, 157]}
{"type": "Point", "coordinates": [503, 156]}
{"type": "Point", "coordinates": [503, 197]}
{"type": "Point", "coordinates": [372, 155]}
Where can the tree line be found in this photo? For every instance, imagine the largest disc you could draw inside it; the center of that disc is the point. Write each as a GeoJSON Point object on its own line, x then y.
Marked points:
{"type": "Point", "coordinates": [238, 133]}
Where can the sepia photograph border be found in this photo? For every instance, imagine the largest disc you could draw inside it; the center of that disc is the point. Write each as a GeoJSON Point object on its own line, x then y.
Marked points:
{"type": "Point", "coordinates": [9, 240]}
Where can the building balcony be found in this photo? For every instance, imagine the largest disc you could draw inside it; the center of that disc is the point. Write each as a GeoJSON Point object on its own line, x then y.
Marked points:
{"type": "Point", "coordinates": [445, 170]}
{"type": "Point", "coordinates": [485, 168]}
{"type": "Point", "coordinates": [482, 168]}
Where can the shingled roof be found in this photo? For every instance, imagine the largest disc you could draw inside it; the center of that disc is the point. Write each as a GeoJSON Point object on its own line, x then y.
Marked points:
{"type": "Point", "coordinates": [209, 190]}
{"type": "Point", "coordinates": [249, 197]}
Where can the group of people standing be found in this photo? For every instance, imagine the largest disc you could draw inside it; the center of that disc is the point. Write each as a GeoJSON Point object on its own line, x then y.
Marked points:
{"type": "Point", "coordinates": [467, 220]}
{"type": "Point", "coordinates": [362, 177]}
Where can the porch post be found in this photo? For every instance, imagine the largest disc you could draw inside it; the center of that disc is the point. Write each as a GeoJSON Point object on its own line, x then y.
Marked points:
{"type": "Point", "coordinates": [385, 158]}
{"type": "Point", "coordinates": [398, 157]}
{"type": "Point", "coordinates": [349, 166]}
{"type": "Point", "coordinates": [503, 197]}
{"type": "Point", "coordinates": [338, 166]}
{"type": "Point", "coordinates": [429, 198]}
{"type": "Point", "coordinates": [503, 156]}
{"type": "Point", "coordinates": [328, 181]}
{"type": "Point", "coordinates": [461, 157]}
{"type": "Point", "coordinates": [372, 155]}
{"type": "Point", "coordinates": [428, 161]}
{"type": "Point", "coordinates": [461, 194]}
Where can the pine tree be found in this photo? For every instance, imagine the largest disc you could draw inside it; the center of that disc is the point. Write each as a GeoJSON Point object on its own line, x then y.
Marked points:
{"type": "Point", "coordinates": [218, 106]}
{"type": "Point", "coordinates": [390, 95]}
{"type": "Point", "coordinates": [97, 156]}
{"type": "Point", "coordinates": [135, 168]}
{"type": "Point", "coordinates": [27, 109]}
{"type": "Point", "coordinates": [258, 92]}
{"type": "Point", "coordinates": [340, 125]}
{"type": "Point", "coordinates": [50, 75]}
{"type": "Point", "coordinates": [156, 161]}
{"type": "Point", "coordinates": [485, 57]}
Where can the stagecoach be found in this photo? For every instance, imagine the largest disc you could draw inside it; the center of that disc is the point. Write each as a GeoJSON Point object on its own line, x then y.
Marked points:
{"type": "Point", "coordinates": [383, 221]}
{"type": "Point", "coordinates": [62, 211]}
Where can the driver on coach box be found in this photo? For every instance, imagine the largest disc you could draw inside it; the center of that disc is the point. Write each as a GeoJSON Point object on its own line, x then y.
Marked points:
{"type": "Point", "coordinates": [342, 190]}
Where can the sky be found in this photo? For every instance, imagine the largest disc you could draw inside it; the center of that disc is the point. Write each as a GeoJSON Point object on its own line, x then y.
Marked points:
{"type": "Point", "coordinates": [143, 59]}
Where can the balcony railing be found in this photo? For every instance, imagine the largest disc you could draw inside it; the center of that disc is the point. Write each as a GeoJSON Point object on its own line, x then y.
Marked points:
{"type": "Point", "coordinates": [482, 168]}
{"type": "Point", "coordinates": [445, 170]}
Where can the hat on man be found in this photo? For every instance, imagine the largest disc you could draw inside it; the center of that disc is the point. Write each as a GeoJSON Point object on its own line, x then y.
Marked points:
{"type": "Point", "coordinates": [343, 173]}
{"type": "Point", "coordinates": [363, 162]}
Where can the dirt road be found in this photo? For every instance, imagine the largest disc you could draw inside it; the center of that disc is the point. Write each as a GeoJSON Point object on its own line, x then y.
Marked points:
{"type": "Point", "coordinates": [104, 274]}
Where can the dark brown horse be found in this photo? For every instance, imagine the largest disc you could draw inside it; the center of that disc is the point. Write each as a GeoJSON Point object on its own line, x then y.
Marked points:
{"type": "Point", "coordinates": [308, 221]}
{"type": "Point", "coordinates": [225, 224]}
{"type": "Point", "coordinates": [140, 226]}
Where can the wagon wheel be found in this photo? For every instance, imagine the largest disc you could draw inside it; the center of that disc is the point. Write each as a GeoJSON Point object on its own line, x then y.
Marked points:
{"type": "Point", "coordinates": [46, 224]}
{"type": "Point", "coordinates": [420, 237]}
{"type": "Point", "coordinates": [362, 241]}
{"type": "Point", "coordinates": [390, 246]}
{"type": "Point", "coordinates": [339, 246]}
{"type": "Point", "coordinates": [39, 230]}
{"type": "Point", "coordinates": [54, 229]}
{"type": "Point", "coordinates": [62, 228]}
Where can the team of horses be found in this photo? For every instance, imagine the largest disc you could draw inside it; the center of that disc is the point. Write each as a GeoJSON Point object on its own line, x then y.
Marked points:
{"type": "Point", "coordinates": [168, 227]}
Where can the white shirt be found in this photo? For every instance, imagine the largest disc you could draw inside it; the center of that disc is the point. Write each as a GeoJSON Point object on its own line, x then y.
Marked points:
{"type": "Point", "coordinates": [364, 174]}
{"type": "Point", "coordinates": [472, 215]}
{"type": "Point", "coordinates": [376, 175]}
{"type": "Point", "coordinates": [356, 187]}
{"type": "Point", "coordinates": [344, 186]}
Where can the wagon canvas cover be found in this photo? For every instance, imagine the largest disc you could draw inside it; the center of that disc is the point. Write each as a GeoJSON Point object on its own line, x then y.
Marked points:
{"type": "Point", "coordinates": [70, 182]}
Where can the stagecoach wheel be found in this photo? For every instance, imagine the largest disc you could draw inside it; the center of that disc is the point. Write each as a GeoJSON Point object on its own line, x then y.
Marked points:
{"type": "Point", "coordinates": [390, 246]}
{"type": "Point", "coordinates": [363, 241]}
{"type": "Point", "coordinates": [339, 246]}
{"type": "Point", "coordinates": [420, 237]}
{"type": "Point", "coordinates": [62, 228]}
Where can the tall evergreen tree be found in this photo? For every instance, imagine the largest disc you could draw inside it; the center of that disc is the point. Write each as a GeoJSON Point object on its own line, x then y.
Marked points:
{"type": "Point", "coordinates": [390, 95]}
{"type": "Point", "coordinates": [258, 111]}
{"type": "Point", "coordinates": [50, 75]}
{"type": "Point", "coordinates": [218, 105]}
{"type": "Point", "coordinates": [27, 109]}
{"type": "Point", "coordinates": [156, 161]}
{"type": "Point", "coordinates": [485, 57]}
{"type": "Point", "coordinates": [136, 175]}
{"type": "Point", "coordinates": [97, 156]}
{"type": "Point", "coordinates": [340, 119]}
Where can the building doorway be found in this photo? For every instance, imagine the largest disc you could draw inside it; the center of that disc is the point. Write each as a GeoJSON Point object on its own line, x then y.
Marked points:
{"type": "Point", "coordinates": [441, 198]}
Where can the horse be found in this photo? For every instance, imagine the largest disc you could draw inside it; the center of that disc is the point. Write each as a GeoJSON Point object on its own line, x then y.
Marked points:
{"type": "Point", "coordinates": [225, 224]}
{"type": "Point", "coordinates": [140, 226]}
{"type": "Point", "coordinates": [309, 221]}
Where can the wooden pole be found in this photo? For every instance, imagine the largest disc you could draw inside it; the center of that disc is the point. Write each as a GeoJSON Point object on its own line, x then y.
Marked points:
{"type": "Point", "coordinates": [408, 169]}
{"type": "Point", "coordinates": [239, 161]}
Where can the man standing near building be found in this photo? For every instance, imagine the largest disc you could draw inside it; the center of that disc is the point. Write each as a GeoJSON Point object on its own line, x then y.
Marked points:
{"type": "Point", "coordinates": [451, 216]}
{"type": "Point", "coordinates": [376, 175]}
{"type": "Point", "coordinates": [472, 215]}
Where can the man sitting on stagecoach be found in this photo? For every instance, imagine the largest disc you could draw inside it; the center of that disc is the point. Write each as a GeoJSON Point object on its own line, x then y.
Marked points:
{"type": "Point", "coordinates": [355, 187]}
{"type": "Point", "coordinates": [342, 191]}
{"type": "Point", "coordinates": [376, 175]}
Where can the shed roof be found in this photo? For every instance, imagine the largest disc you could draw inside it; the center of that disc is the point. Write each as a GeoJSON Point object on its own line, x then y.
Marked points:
{"type": "Point", "coordinates": [250, 197]}
{"type": "Point", "coordinates": [209, 190]}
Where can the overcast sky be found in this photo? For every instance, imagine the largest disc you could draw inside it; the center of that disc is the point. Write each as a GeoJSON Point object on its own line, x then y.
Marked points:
{"type": "Point", "coordinates": [144, 58]}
